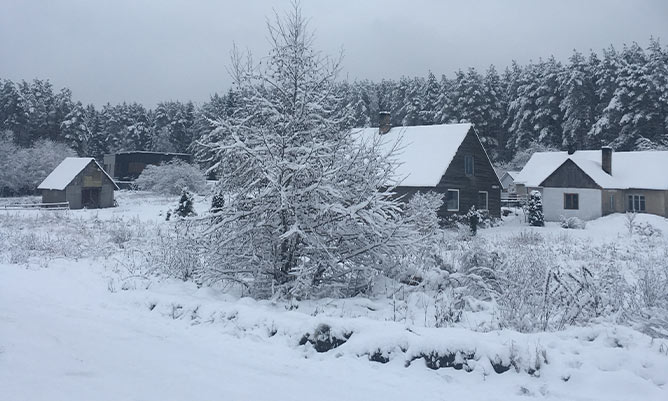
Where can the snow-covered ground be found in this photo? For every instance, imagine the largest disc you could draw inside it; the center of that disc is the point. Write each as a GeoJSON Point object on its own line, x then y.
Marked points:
{"type": "Point", "coordinates": [77, 327]}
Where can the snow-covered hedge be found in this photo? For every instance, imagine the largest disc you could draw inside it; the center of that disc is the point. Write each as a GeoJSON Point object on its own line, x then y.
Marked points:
{"type": "Point", "coordinates": [23, 169]}
{"type": "Point", "coordinates": [171, 178]}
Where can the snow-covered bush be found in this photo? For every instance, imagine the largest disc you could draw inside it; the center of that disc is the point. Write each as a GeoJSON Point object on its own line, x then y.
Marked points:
{"type": "Point", "coordinates": [645, 229]}
{"type": "Point", "coordinates": [473, 216]}
{"type": "Point", "coordinates": [23, 169]}
{"type": "Point", "coordinates": [177, 252]}
{"type": "Point", "coordinates": [422, 211]}
{"type": "Point", "coordinates": [485, 220]}
{"type": "Point", "coordinates": [535, 209]}
{"type": "Point", "coordinates": [573, 222]}
{"type": "Point", "coordinates": [170, 178]}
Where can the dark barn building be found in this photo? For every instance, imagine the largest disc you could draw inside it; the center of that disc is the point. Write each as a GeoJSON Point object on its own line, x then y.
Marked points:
{"type": "Point", "coordinates": [127, 166]}
{"type": "Point", "coordinates": [448, 159]}
{"type": "Point", "coordinates": [81, 182]}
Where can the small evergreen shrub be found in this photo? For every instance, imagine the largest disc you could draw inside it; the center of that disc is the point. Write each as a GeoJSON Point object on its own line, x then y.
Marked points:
{"type": "Point", "coordinates": [535, 209]}
{"type": "Point", "coordinates": [217, 202]}
{"type": "Point", "coordinates": [185, 208]}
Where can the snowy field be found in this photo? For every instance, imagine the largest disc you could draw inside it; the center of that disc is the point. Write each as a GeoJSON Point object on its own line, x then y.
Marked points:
{"type": "Point", "coordinates": [82, 319]}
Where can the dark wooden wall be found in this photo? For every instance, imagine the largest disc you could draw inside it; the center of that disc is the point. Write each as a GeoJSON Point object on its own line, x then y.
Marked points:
{"type": "Point", "coordinates": [122, 162]}
{"type": "Point", "coordinates": [569, 175]}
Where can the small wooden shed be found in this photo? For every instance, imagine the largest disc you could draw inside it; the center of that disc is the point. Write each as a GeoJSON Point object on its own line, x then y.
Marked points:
{"type": "Point", "coordinates": [81, 182]}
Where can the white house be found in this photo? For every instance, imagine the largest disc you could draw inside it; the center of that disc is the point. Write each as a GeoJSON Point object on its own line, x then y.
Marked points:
{"type": "Point", "coordinates": [593, 183]}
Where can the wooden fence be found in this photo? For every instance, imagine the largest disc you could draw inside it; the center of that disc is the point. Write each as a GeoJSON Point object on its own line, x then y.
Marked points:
{"type": "Point", "coordinates": [45, 206]}
{"type": "Point", "coordinates": [513, 200]}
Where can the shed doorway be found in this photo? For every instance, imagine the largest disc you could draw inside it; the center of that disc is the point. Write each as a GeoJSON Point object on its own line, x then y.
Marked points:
{"type": "Point", "coordinates": [90, 198]}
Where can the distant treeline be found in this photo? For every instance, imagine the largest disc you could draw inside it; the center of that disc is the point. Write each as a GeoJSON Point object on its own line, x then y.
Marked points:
{"type": "Point", "coordinates": [616, 97]}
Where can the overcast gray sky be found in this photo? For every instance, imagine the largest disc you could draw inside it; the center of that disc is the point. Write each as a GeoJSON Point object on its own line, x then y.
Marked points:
{"type": "Point", "coordinates": [149, 51]}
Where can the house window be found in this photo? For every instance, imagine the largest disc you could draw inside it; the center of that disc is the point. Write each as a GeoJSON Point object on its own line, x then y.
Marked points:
{"type": "Point", "coordinates": [482, 200]}
{"type": "Point", "coordinates": [636, 203]}
{"type": "Point", "coordinates": [612, 202]}
{"type": "Point", "coordinates": [453, 200]}
{"type": "Point", "coordinates": [468, 165]}
{"type": "Point", "coordinates": [571, 202]}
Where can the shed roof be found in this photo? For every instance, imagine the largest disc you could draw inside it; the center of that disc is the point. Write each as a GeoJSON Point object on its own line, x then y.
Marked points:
{"type": "Point", "coordinates": [423, 152]}
{"type": "Point", "coordinates": [640, 170]}
{"type": "Point", "coordinates": [67, 170]}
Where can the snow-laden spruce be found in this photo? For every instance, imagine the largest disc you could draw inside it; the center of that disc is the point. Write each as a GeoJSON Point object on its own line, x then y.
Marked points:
{"type": "Point", "coordinates": [307, 208]}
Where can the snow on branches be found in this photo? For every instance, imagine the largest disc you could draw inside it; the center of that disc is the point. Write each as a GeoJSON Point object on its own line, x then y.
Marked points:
{"type": "Point", "coordinates": [308, 209]}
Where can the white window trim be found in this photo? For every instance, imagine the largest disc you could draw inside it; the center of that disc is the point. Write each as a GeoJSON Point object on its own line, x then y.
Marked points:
{"type": "Point", "coordinates": [446, 201]}
{"type": "Point", "coordinates": [486, 199]}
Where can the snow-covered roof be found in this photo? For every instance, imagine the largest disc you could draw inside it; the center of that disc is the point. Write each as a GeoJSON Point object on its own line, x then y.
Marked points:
{"type": "Point", "coordinates": [424, 152]}
{"type": "Point", "coordinates": [641, 170]}
{"type": "Point", "coordinates": [66, 171]}
{"type": "Point", "coordinates": [130, 152]}
{"type": "Point", "coordinates": [513, 174]}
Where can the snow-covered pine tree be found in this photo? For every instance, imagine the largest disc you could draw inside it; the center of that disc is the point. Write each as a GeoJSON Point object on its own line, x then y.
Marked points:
{"type": "Point", "coordinates": [217, 202]}
{"type": "Point", "coordinates": [496, 105]}
{"type": "Point", "coordinates": [547, 117]}
{"type": "Point", "coordinates": [429, 100]}
{"type": "Point", "coordinates": [535, 209]}
{"type": "Point", "coordinates": [75, 130]}
{"type": "Point", "coordinates": [444, 110]}
{"type": "Point", "coordinates": [578, 103]}
{"type": "Point", "coordinates": [306, 212]}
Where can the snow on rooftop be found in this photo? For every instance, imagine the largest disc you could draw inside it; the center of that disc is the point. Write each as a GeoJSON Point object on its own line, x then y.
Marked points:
{"type": "Point", "coordinates": [66, 171]}
{"type": "Point", "coordinates": [641, 170]}
{"type": "Point", "coordinates": [424, 152]}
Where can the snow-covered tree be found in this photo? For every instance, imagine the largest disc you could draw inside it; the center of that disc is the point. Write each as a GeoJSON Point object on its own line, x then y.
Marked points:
{"type": "Point", "coordinates": [429, 103]}
{"type": "Point", "coordinates": [578, 103]}
{"type": "Point", "coordinates": [306, 211]}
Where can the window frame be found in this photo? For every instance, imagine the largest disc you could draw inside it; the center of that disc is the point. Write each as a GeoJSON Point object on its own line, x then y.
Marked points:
{"type": "Point", "coordinates": [573, 205]}
{"type": "Point", "coordinates": [466, 165]}
{"type": "Point", "coordinates": [641, 201]}
{"type": "Point", "coordinates": [486, 199]}
{"type": "Point", "coordinates": [447, 200]}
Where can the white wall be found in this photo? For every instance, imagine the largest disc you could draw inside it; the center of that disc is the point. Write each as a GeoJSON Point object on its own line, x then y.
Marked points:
{"type": "Point", "coordinates": [589, 203]}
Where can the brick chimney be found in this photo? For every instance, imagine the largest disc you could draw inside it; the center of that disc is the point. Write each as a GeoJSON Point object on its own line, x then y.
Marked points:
{"type": "Point", "coordinates": [384, 122]}
{"type": "Point", "coordinates": [606, 159]}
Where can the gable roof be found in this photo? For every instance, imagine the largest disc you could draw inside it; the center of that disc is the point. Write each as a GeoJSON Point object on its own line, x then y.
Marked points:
{"type": "Point", "coordinates": [423, 152]}
{"type": "Point", "coordinates": [512, 174]}
{"type": "Point", "coordinates": [641, 170]}
{"type": "Point", "coordinates": [67, 170]}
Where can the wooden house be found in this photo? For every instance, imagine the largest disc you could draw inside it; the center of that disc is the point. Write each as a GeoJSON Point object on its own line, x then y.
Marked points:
{"type": "Point", "coordinates": [81, 182]}
{"type": "Point", "coordinates": [127, 166]}
{"type": "Point", "coordinates": [448, 159]}
{"type": "Point", "coordinates": [593, 183]}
